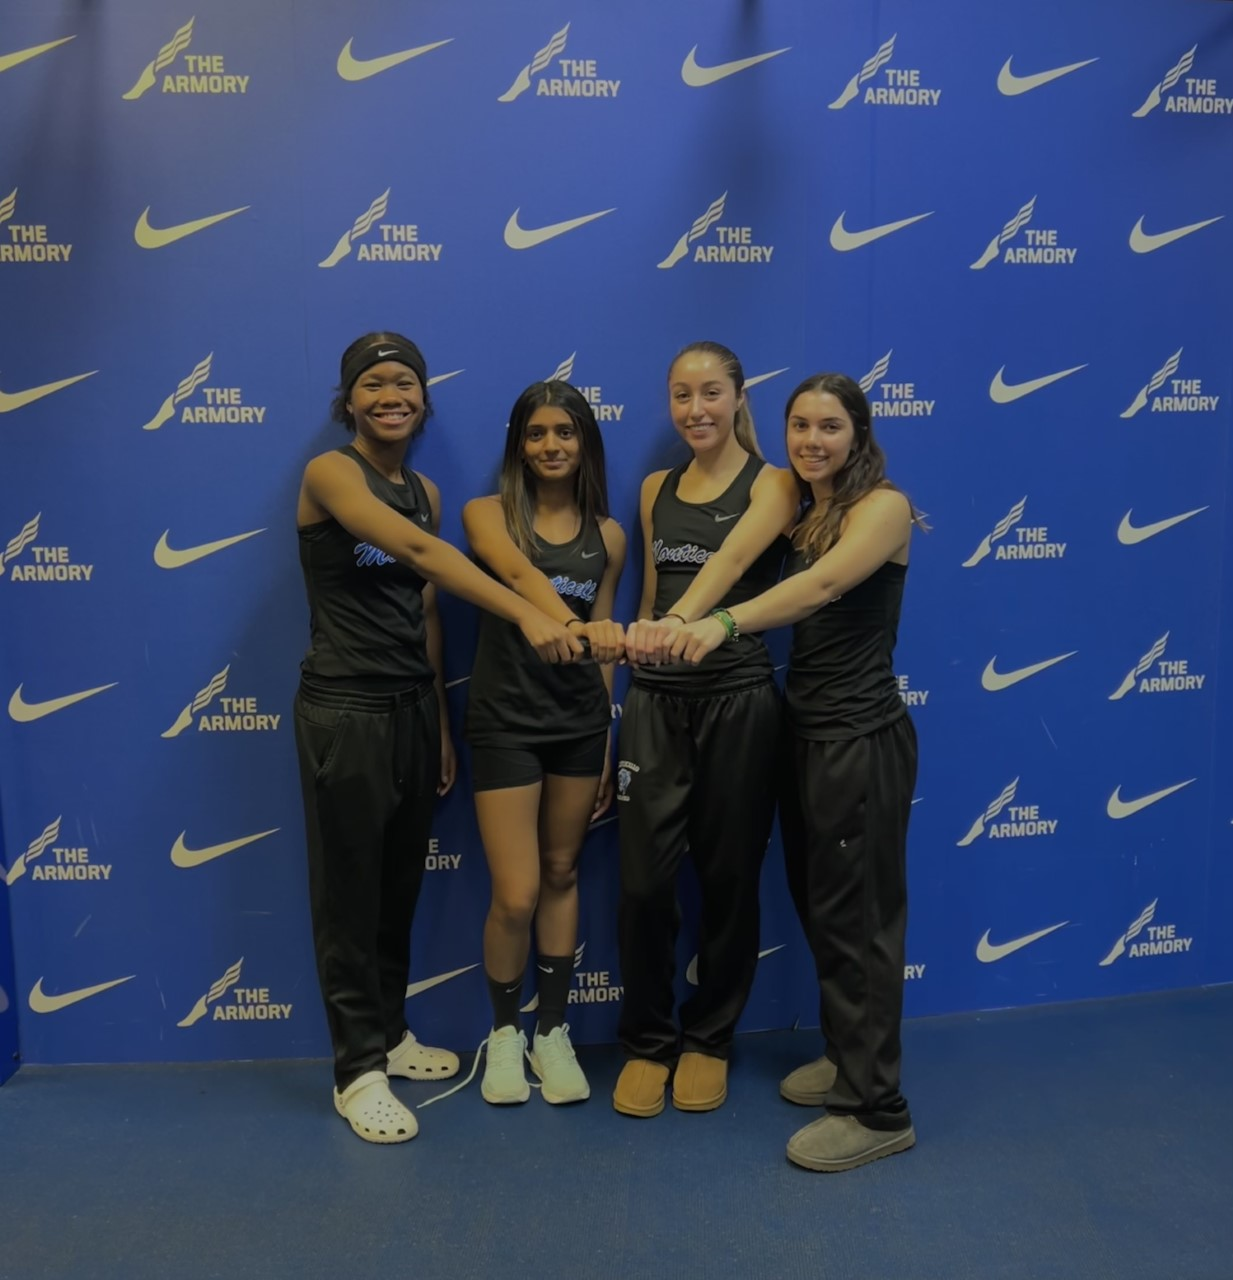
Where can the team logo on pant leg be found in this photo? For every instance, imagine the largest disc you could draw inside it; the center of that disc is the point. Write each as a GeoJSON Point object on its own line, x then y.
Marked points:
{"type": "Point", "coordinates": [1161, 940]}
{"type": "Point", "coordinates": [1200, 96]}
{"type": "Point", "coordinates": [221, 404]}
{"type": "Point", "coordinates": [204, 73]}
{"type": "Point", "coordinates": [734, 244]}
{"type": "Point", "coordinates": [1184, 395]}
{"type": "Point", "coordinates": [575, 78]}
{"type": "Point", "coordinates": [47, 564]}
{"type": "Point", "coordinates": [400, 242]}
{"type": "Point", "coordinates": [1031, 542]}
{"type": "Point", "coordinates": [27, 241]}
{"type": "Point", "coordinates": [1040, 247]}
{"type": "Point", "coordinates": [1170, 676]}
{"type": "Point", "coordinates": [1023, 820]}
{"type": "Point", "coordinates": [66, 863]}
{"type": "Point", "coordinates": [902, 87]}
{"type": "Point", "coordinates": [895, 399]}
{"type": "Point", "coordinates": [626, 769]}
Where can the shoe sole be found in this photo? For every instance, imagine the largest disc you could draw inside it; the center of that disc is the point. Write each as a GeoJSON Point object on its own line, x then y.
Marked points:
{"type": "Point", "coordinates": [557, 1099]}
{"type": "Point", "coordinates": [700, 1104]}
{"type": "Point", "coordinates": [801, 1097]}
{"type": "Point", "coordinates": [897, 1142]}
{"type": "Point", "coordinates": [505, 1100]}
{"type": "Point", "coordinates": [639, 1113]}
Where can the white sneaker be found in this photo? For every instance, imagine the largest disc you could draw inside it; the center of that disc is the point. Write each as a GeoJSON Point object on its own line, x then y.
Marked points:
{"type": "Point", "coordinates": [553, 1060]}
{"type": "Point", "coordinates": [505, 1080]}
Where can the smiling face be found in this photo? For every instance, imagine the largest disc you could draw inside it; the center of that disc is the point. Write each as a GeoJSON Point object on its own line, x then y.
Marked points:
{"type": "Point", "coordinates": [386, 403]}
{"type": "Point", "coordinates": [820, 439]}
{"type": "Point", "coordinates": [703, 400]}
{"type": "Point", "coordinates": [551, 446]}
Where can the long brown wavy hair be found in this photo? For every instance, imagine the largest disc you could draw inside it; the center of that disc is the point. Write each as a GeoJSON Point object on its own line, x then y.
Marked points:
{"type": "Point", "coordinates": [819, 527]}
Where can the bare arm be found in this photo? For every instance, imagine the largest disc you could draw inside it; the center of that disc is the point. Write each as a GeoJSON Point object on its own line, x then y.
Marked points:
{"type": "Point", "coordinates": [335, 484]}
{"type": "Point", "coordinates": [877, 529]}
{"type": "Point", "coordinates": [435, 640]}
{"type": "Point", "coordinates": [601, 614]}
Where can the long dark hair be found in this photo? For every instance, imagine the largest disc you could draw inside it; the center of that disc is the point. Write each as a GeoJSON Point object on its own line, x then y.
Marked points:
{"type": "Point", "coordinates": [819, 527]}
{"type": "Point", "coordinates": [338, 406]}
{"type": "Point", "coordinates": [517, 484]}
{"type": "Point", "coordinates": [743, 423]}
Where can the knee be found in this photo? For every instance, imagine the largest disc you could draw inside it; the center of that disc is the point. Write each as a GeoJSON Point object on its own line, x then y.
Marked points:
{"type": "Point", "coordinates": [513, 911]}
{"type": "Point", "coordinates": [559, 874]}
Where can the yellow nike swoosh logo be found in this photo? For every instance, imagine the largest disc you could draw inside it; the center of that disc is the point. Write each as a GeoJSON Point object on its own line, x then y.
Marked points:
{"type": "Point", "coordinates": [40, 1002]}
{"type": "Point", "coordinates": [1012, 85]}
{"type": "Point", "coordinates": [519, 238]}
{"type": "Point", "coordinates": [149, 237]}
{"type": "Point", "coordinates": [426, 984]}
{"type": "Point", "coordinates": [1128, 534]}
{"type": "Point", "coordinates": [696, 76]}
{"type": "Point", "coordinates": [169, 558]}
{"type": "Point", "coordinates": [1119, 808]}
{"type": "Point", "coordinates": [1001, 392]}
{"type": "Point", "coordinates": [353, 68]}
{"type": "Point", "coordinates": [994, 680]}
{"type": "Point", "coordinates": [8, 60]}
{"type": "Point", "coordinates": [24, 711]}
{"type": "Point", "coordinates": [10, 400]}
{"type": "Point", "coordinates": [1144, 242]}
{"type": "Point", "coordinates": [183, 856]}
{"type": "Point", "coordinates": [844, 240]}
{"type": "Point", "coordinates": [987, 952]}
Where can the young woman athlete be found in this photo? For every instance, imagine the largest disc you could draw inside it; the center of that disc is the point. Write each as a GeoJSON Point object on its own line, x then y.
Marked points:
{"type": "Point", "coordinates": [371, 732]}
{"type": "Point", "coordinates": [851, 765]}
{"type": "Point", "coordinates": [697, 744]}
{"type": "Point", "coordinates": [539, 734]}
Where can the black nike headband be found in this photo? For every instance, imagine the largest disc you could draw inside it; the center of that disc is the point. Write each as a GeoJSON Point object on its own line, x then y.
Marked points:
{"type": "Point", "coordinates": [404, 352]}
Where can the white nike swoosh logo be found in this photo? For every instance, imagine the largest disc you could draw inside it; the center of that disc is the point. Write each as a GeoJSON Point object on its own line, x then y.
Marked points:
{"type": "Point", "coordinates": [845, 240]}
{"type": "Point", "coordinates": [691, 971]}
{"type": "Point", "coordinates": [8, 60]}
{"type": "Point", "coordinates": [149, 237]}
{"type": "Point", "coordinates": [183, 856]}
{"type": "Point", "coordinates": [1143, 242]}
{"type": "Point", "coordinates": [1128, 534]}
{"type": "Point", "coordinates": [725, 519]}
{"type": "Point", "coordinates": [441, 377]}
{"type": "Point", "coordinates": [994, 680]}
{"type": "Point", "coordinates": [10, 400]}
{"type": "Point", "coordinates": [383, 354]}
{"type": "Point", "coordinates": [987, 952]}
{"type": "Point", "coordinates": [589, 555]}
{"type": "Point", "coordinates": [1012, 85]}
{"type": "Point", "coordinates": [24, 711]}
{"type": "Point", "coordinates": [40, 1002]}
{"type": "Point", "coordinates": [426, 984]}
{"type": "Point", "coordinates": [519, 238]}
{"type": "Point", "coordinates": [1007, 392]}
{"type": "Point", "coordinates": [763, 377]}
{"type": "Point", "coordinates": [696, 76]}
{"type": "Point", "coordinates": [1119, 808]}
{"type": "Point", "coordinates": [353, 68]}
{"type": "Point", "coordinates": [169, 558]}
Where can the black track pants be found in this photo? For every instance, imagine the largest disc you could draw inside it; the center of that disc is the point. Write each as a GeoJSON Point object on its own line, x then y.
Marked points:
{"type": "Point", "coordinates": [369, 768]}
{"type": "Point", "coordinates": [696, 774]}
{"type": "Point", "coordinates": [843, 813]}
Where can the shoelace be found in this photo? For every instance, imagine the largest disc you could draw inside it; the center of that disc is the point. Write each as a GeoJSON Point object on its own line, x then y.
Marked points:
{"type": "Point", "coordinates": [483, 1044]}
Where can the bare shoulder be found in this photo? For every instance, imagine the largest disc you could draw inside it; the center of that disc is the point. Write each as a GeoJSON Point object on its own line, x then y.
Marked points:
{"type": "Point", "coordinates": [652, 485]}
{"type": "Point", "coordinates": [778, 480]}
{"type": "Point", "coordinates": [332, 467]}
{"type": "Point", "coordinates": [481, 511]}
{"type": "Point", "coordinates": [885, 504]}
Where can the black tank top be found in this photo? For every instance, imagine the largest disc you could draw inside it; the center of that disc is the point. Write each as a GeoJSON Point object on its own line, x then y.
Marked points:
{"type": "Point", "coordinates": [840, 681]}
{"type": "Point", "coordinates": [366, 627]}
{"type": "Point", "coordinates": [515, 697]}
{"type": "Point", "coordinates": [684, 537]}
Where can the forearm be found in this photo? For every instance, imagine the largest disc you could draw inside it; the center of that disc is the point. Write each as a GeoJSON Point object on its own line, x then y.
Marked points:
{"type": "Point", "coordinates": [708, 588]}
{"type": "Point", "coordinates": [786, 602]}
{"type": "Point", "coordinates": [446, 567]}
{"type": "Point", "coordinates": [534, 587]}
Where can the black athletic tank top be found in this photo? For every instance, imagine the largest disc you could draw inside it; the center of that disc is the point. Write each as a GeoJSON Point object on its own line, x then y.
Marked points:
{"type": "Point", "coordinates": [515, 697]}
{"type": "Point", "coordinates": [840, 681]}
{"type": "Point", "coordinates": [684, 537]}
{"type": "Point", "coordinates": [366, 626]}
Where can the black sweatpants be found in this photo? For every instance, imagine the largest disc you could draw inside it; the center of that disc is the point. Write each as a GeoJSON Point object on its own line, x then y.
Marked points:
{"type": "Point", "coordinates": [369, 768]}
{"type": "Point", "coordinates": [696, 773]}
{"type": "Point", "coordinates": [843, 812]}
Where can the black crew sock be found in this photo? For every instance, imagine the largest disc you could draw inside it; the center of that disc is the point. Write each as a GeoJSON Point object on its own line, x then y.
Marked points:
{"type": "Point", "coordinates": [505, 997]}
{"type": "Point", "coordinates": [553, 976]}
